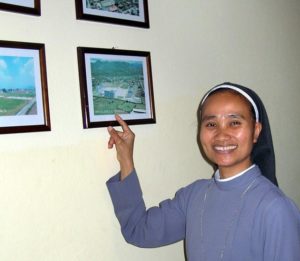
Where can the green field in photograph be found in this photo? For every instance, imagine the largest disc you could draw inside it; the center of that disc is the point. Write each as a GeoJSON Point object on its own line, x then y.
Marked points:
{"type": "Point", "coordinates": [106, 106]}
{"type": "Point", "coordinates": [9, 107]}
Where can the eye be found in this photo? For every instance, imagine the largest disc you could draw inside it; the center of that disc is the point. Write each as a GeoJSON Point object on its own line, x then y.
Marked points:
{"type": "Point", "coordinates": [210, 124]}
{"type": "Point", "coordinates": [235, 123]}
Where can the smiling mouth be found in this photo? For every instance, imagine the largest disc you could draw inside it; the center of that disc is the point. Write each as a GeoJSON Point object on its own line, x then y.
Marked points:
{"type": "Point", "coordinates": [225, 148]}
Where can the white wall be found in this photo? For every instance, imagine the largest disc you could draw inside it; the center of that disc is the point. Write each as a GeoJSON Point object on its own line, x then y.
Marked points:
{"type": "Point", "coordinates": [53, 198]}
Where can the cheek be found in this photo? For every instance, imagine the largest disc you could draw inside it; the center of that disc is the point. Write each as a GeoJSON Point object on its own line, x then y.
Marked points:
{"type": "Point", "coordinates": [204, 137]}
{"type": "Point", "coordinates": [245, 136]}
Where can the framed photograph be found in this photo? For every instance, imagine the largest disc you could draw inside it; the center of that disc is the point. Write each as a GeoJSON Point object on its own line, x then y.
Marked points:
{"type": "Point", "coordinates": [124, 12]}
{"type": "Point", "coordinates": [115, 82]}
{"type": "Point", "coordinates": [32, 7]}
{"type": "Point", "coordinates": [24, 103]}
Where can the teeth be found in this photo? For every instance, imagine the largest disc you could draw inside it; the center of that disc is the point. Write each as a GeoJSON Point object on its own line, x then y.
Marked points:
{"type": "Point", "coordinates": [225, 148]}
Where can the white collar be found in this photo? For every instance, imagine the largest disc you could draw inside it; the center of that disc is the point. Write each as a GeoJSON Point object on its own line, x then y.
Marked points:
{"type": "Point", "coordinates": [217, 175]}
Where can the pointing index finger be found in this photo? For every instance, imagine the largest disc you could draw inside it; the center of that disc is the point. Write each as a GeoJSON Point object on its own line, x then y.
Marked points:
{"type": "Point", "coordinates": [122, 123]}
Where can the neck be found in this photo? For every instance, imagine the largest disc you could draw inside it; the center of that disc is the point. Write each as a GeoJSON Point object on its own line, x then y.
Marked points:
{"type": "Point", "coordinates": [228, 172]}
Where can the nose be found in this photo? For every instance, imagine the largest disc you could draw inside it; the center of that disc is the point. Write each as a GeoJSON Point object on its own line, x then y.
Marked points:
{"type": "Point", "coordinates": [222, 133]}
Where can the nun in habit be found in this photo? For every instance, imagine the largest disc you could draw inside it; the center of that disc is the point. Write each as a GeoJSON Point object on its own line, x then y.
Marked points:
{"type": "Point", "coordinates": [239, 213]}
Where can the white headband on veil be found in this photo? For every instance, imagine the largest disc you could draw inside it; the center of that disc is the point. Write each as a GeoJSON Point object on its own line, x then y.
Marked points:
{"type": "Point", "coordinates": [227, 86]}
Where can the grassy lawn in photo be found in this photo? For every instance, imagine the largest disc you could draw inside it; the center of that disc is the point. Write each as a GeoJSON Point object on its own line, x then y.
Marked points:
{"type": "Point", "coordinates": [9, 107]}
{"type": "Point", "coordinates": [11, 103]}
{"type": "Point", "coordinates": [107, 106]}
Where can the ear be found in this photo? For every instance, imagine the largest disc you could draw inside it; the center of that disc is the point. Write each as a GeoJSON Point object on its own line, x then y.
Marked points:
{"type": "Point", "coordinates": [257, 130]}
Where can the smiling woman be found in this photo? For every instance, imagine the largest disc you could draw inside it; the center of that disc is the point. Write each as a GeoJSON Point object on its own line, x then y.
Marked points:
{"type": "Point", "coordinates": [228, 131]}
{"type": "Point", "coordinates": [238, 214]}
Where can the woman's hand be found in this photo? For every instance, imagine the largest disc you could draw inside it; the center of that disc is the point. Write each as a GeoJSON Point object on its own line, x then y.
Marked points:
{"type": "Point", "coordinates": [124, 142]}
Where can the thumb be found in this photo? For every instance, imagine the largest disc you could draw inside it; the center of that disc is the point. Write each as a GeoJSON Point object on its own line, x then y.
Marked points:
{"type": "Point", "coordinates": [111, 141]}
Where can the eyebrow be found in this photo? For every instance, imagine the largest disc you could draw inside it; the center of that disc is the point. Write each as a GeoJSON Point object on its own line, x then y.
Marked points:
{"type": "Point", "coordinates": [231, 116]}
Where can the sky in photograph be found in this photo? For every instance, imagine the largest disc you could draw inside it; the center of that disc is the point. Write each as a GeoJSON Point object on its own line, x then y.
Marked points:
{"type": "Point", "coordinates": [16, 72]}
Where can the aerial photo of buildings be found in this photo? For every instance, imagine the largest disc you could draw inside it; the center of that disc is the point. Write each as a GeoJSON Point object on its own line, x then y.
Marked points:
{"type": "Point", "coordinates": [118, 87]}
{"type": "Point", "coordinates": [130, 7]}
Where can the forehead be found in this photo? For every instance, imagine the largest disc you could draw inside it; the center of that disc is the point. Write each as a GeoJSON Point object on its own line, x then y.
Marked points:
{"type": "Point", "coordinates": [226, 101]}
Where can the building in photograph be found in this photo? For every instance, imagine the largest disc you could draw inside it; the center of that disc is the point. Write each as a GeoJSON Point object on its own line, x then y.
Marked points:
{"type": "Point", "coordinates": [124, 94]}
{"type": "Point", "coordinates": [105, 5]}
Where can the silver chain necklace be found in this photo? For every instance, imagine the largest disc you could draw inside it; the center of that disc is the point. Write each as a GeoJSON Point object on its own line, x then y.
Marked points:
{"type": "Point", "coordinates": [234, 217]}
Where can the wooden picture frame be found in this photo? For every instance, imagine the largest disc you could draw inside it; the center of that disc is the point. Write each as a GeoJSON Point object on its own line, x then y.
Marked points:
{"type": "Point", "coordinates": [31, 7]}
{"type": "Point", "coordinates": [125, 12]}
{"type": "Point", "coordinates": [115, 82]}
{"type": "Point", "coordinates": [24, 105]}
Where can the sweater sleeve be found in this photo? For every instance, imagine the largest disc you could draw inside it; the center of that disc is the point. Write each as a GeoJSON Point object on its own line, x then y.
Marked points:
{"type": "Point", "coordinates": [154, 227]}
{"type": "Point", "coordinates": [282, 231]}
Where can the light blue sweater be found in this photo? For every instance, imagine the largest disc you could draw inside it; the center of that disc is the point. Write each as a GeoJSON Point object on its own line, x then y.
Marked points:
{"type": "Point", "coordinates": [245, 219]}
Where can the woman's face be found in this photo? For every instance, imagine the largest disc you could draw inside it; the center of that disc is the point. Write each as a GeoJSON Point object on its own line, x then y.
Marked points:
{"type": "Point", "coordinates": [228, 132]}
